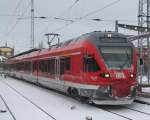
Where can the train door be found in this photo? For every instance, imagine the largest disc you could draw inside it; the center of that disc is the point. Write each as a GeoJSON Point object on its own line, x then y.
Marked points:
{"type": "Point", "coordinates": [60, 82]}
{"type": "Point", "coordinates": [34, 69]}
{"type": "Point", "coordinates": [57, 70]}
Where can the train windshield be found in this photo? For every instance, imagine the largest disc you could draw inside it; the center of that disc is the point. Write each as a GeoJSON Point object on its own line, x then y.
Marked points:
{"type": "Point", "coordinates": [117, 57]}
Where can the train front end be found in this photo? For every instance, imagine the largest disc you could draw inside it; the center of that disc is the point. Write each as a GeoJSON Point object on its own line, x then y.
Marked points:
{"type": "Point", "coordinates": [116, 76]}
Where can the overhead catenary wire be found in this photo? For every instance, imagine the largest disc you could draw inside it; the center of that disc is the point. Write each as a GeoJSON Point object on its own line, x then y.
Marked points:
{"type": "Point", "coordinates": [70, 7]}
{"type": "Point", "coordinates": [57, 18]}
{"type": "Point", "coordinates": [89, 14]}
{"type": "Point", "coordinates": [13, 13]}
{"type": "Point", "coordinates": [99, 19]}
{"type": "Point", "coordinates": [98, 10]}
{"type": "Point", "coordinates": [73, 20]}
{"type": "Point", "coordinates": [17, 6]}
{"type": "Point", "coordinates": [17, 21]}
{"type": "Point", "coordinates": [9, 15]}
{"type": "Point", "coordinates": [61, 14]}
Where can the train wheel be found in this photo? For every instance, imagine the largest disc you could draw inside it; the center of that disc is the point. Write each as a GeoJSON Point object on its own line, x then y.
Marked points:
{"type": "Point", "coordinates": [73, 92]}
{"type": "Point", "coordinates": [69, 91]}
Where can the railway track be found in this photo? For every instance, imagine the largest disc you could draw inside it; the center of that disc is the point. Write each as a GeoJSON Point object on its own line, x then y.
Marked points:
{"type": "Point", "coordinates": [29, 100]}
{"type": "Point", "coordinates": [105, 109]}
{"type": "Point", "coordinates": [6, 105]}
{"type": "Point", "coordinates": [60, 93]}
{"type": "Point", "coordinates": [137, 110]}
{"type": "Point", "coordinates": [110, 109]}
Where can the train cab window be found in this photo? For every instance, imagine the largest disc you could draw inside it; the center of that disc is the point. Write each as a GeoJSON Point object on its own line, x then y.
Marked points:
{"type": "Point", "coordinates": [90, 64]}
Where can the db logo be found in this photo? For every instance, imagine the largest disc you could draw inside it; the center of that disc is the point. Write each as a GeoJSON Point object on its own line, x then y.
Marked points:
{"type": "Point", "coordinates": [120, 75]}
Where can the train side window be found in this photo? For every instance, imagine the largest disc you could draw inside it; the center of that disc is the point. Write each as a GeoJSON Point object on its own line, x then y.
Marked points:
{"type": "Point", "coordinates": [68, 63]}
{"type": "Point", "coordinates": [34, 66]}
{"type": "Point", "coordinates": [26, 66]}
{"type": "Point", "coordinates": [40, 66]}
{"type": "Point", "coordinates": [48, 66]}
{"type": "Point", "coordinates": [65, 65]}
{"type": "Point", "coordinates": [19, 66]}
{"type": "Point", "coordinates": [51, 66]}
{"type": "Point", "coordinates": [62, 66]}
{"type": "Point", "coordinates": [43, 66]}
{"type": "Point", "coordinates": [90, 64]}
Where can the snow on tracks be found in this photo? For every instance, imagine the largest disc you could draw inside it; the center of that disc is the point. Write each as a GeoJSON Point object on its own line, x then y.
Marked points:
{"type": "Point", "coordinates": [26, 97]}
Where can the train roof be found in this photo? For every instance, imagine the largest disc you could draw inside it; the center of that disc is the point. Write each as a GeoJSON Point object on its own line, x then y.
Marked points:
{"type": "Point", "coordinates": [95, 37]}
{"type": "Point", "coordinates": [103, 34]}
{"type": "Point", "coordinates": [26, 52]}
{"type": "Point", "coordinates": [108, 38]}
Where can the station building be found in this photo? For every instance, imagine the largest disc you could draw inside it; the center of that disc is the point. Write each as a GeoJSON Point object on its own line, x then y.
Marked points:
{"type": "Point", "coordinates": [6, 51]}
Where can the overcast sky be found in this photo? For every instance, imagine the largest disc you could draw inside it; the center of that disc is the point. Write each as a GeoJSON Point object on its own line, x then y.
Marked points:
{"type": "Point", "coordinates": [16, 31]}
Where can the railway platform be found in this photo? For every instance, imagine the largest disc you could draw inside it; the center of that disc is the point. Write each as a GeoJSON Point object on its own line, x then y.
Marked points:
{"type": "Point", "coordinates": [23, 101]}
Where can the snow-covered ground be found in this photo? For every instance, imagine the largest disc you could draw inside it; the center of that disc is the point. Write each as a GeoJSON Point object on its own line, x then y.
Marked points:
{"type": "Point", "coordinates": [59, 106]}
{"type": "Point", "coordinates": [144, 79]}
{"type": "Point", "coordinates": [4, 112]}
{"type": "Point", "coordinates": [145, 82]}
{"type": "Point", "coordinates": [30, 102]}
{"type": "Point", "coordinates": [146, 89]}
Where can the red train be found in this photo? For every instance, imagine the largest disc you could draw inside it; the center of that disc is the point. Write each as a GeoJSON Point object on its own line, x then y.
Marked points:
{"type": "Point", "coordinates": [98, 66]}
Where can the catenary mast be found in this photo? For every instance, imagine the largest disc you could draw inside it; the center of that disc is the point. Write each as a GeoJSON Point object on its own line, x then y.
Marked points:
{"type": "Point", "coordinates": [32, 25]}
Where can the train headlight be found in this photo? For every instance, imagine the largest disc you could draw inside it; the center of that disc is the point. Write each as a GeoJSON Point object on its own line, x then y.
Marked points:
{"type": "Point", "coordinates": [131, 75]}
{"type": "Point", "coordinates": [105, 75]}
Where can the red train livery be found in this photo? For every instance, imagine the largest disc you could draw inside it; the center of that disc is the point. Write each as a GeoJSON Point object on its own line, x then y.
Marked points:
{"type": "Point", "coordinates": [98, 66]}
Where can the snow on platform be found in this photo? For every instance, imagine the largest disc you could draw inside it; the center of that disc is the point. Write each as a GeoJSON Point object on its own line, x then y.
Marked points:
{"type": "Point", "coordinates": [30, 102]}
{"type": "Point", "coordinates": [56, 105]}
{"type": "Point", "coordinates": [4, 112]}
{"type": "Point", "coordinates": [142, 99]}
{"type": "Point", "coordinates": [146, 90]}
{"type": "Point", "coordinates": [22, 109]}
